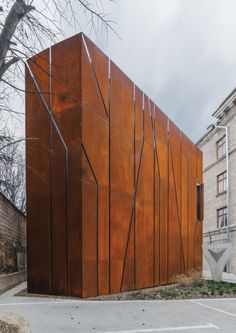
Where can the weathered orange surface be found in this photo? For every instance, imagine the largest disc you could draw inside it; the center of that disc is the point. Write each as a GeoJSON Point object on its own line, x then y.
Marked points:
{"type": "Point", "coordinates": [111, 181]}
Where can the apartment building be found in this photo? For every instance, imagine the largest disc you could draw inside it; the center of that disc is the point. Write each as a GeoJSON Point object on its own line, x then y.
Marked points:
{"type": "Point", "coordinates": [218, 145]}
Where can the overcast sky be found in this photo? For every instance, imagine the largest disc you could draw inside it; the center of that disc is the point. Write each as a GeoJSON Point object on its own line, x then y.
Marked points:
{"type": "Point", "coordinates": [182, 53]}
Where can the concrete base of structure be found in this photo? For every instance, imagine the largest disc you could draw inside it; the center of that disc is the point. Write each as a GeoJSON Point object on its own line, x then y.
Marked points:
{"type": "Point", "coordinates": [9, 281]}
{"type": "Point", "coordinates": [226, 277]}
{"type": "Point", "coordinates": [217, 257]}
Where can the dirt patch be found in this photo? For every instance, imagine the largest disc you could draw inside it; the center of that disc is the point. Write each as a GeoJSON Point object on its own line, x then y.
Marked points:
{"type": "Point", "coordinates": [8, 328]}
{"type": "Point", "coordinates": [13, 323]}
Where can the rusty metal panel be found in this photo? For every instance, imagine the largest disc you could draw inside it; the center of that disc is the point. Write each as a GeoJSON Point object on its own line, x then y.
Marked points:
{"type": "Point", "coordinates": [161, 130]}
{"type": "Point", "coordinates": [121, 101]}
{"type": "Point", "coordinates": [66, 195]}
{"type": "Point", "coordinates": [38, 177]}
{"type": "Point", "coordinates": [138, 151]}
{"type": "Point", "coordinates": [192, 206]}
{"type": "Point", "coordinates": [95, 138]}
{"type": "Point", "coordinates": [148, 133]}
{"type": "Point", "coordinates": [121, 180]}
{"type": "Point", "coordinates": [174, 224]}
{"type": "Point", "coordinates": [139, 129]}
{"type": "Point", "coordinates": [111, 181]}
{"type": "Point", "coordinates": [186, 147]}
{"type": "Point", "coordinates": [121, 155]}
{"type": "Point", "coordinates": [58, 216]}
{"type": "Point", "coordinates": [156, 205]}
{"type": "Point", "coordinates": [127, 282]}
{"type": "Point", "coordinates": [99, 63]}
{"type": "Point", "coordinates": [145, 233]}
{"type": "Point", "coordinates": [90, 228]}
{"type": "Point", "coordinates": [120, 230]}
{"type": "Point", "coordinates": [144, 244]}
{"type": "Point", "coordinates": [103, 240]}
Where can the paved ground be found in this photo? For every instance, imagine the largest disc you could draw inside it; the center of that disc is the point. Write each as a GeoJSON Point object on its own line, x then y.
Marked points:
{"type": "Point", "coordinates": [47, 315]}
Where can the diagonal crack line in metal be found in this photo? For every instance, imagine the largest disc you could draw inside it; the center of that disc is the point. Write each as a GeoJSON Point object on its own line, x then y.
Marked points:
{"type": "Point", "coordinates": [95, 76]}
{"type": "Point", "coordinates": [47, 107]}
{"type": "Point", "coordinates": [132, 212]}
{"type": "Point", "coordinates": [176, 199]}
{"type": "Point", "coordinates": [97, 198]}
{"type": "Point", "coordinates": [155, 150]}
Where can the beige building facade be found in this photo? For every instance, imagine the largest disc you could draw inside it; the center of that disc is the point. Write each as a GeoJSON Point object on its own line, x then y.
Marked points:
{"type": "Point", "coordinates": [218, 145]}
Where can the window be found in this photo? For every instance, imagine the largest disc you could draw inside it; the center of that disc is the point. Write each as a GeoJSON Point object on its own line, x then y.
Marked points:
{"type": "Point", "coordinates": [222, 217]}
{"type": "Point", "coordinates": [226, 268]}
{"type": "Point", "coordinates": [222, 182]}
{"type": "Point", "coordinates": [221, 147]}
{"type": "Point", "coordinates": [200, 190]}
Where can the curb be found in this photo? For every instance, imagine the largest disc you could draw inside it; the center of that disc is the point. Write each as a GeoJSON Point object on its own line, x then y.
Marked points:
{"type": "Point", "coordinates": [9, 281]}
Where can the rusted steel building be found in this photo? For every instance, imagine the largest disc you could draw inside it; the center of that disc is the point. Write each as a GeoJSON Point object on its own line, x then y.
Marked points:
{"type": "Point", "coordinates": [114, 195]}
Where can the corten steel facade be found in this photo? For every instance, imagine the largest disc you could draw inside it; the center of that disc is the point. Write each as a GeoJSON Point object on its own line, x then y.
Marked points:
{"type": "Point", "coordinates": [111, 181]}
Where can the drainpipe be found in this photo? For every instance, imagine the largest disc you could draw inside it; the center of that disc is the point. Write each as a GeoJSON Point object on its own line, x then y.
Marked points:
{"type": "Point", "coordinates": [227, 173]}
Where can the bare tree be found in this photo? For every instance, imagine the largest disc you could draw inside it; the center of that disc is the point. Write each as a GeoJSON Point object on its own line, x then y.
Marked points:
{"type": "Point", "coordinates": [30, 23]}
{"type": "Point", "coordinates": [12, 176]}
{"type": "Point", "coordinates": [27, 27]}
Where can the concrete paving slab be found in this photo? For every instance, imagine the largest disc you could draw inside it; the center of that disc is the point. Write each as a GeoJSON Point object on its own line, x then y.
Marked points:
{"type": "Point", "coordinates": [63, 315]}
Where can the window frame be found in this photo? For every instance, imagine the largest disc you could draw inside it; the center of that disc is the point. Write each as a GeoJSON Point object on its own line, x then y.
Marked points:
{"type": "Point", "coordinates": [200, 201]}
{"type": "Point", "coordinates": [226, 268]}
{"type": "Point", "coordinates": [221, 181]}
{"type": "Point", "coordinates": [222, 146]}
{"type": "Point", "coordinates": [222, 215]}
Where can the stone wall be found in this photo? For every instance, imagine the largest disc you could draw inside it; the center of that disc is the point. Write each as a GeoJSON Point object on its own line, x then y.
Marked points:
{"type": "Point", "coordinates": [12, 235]}
{"type": "Point", "coordinates": [212, 201]}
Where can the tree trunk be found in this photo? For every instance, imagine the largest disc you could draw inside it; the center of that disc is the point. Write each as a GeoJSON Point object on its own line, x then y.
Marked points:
{"type": "Point", "coordinates": [16, 14]}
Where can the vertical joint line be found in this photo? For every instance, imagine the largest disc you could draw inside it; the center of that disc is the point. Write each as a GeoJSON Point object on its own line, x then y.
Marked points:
{"type": "Point", "coordinates": [109, 180]}
{"type": "Point", "coordinates": [154, 216]}
{"type": "Point", "coordinates": [143, 107]}
{"type": "Point", "coordinates": [134, 95]}
{"type": "Point", "coordinates": [168, 178]}
{"type": "Point", "coordinates": [181, 175]}
{"type": "Point", "coordinates": [50, 166]}
{"type": "Point", "coordinates": [187, 262]}
{"type": "Point", "coordinates": [67, 201]}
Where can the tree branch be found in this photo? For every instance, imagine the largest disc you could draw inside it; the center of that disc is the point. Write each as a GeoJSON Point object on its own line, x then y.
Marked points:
{"type": "Point", "coordinates": [6, 65]}
{"type": "Point", "coordinates": [15, 142]}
